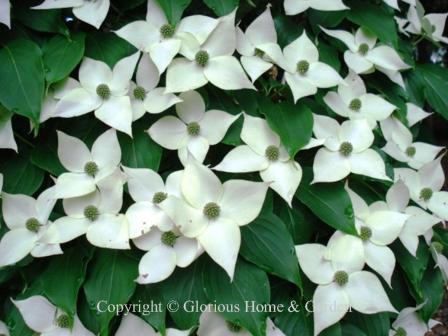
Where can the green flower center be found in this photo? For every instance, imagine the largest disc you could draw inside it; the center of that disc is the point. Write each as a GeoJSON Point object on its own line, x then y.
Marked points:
{"type": "Point", "coordinates": [355, 105]}
{"type": "Point", "coordinates": [159, 197]}
{"type": "Point", "coordinates": [212, 210]}
{"type": "Point", "coordinates": [438, 247]}
{"type": "Point", "coordinates": [426, 194]}
{"type": "Point", "coordinates": [363, 49]}
{"type": "Point", "coordinates": [410, 151]}
{"type": "Point", "coordinates": [91, 168]}
{"type": "Point", "coordinates": [32, 225]}
{"type": "Point", "coordinates": [365, 233]}
{"type": "Point", "coordinates": [303, 67]}
{"type": "Point", "coordinates": [193, 128]}
{"type": "Point", "coordinates": [400, 332]}
{"type": "Point", "coordinates": [139, 93]}
{"type": "Point", "coordinates": [168, 238]}
{"type": "Point", "coordinates": [346, 148]}
{"type": "Point", "coordinates": [103, 91]}
{"type": "Point", "coordinates": [202, 58]}
{"type": "Point", "coordinates": [233, 327]}
{"type": "Point", "coordinates": [272, 153]}
{"type": "Point", "coordinates": [167, 31]}
{"type": "Point", "coordinates": [63, 321]}
{"type": "Point", "coordinates": [91, 212]}
{"type": "Point", "coordinates": [341, 278]}
{"type": "Point", "coordinates": [259, 53]}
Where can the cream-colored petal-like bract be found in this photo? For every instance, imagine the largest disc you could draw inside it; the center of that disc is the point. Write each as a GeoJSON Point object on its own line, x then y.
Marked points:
{"type": "Point", "coordinates": [157, 264]}
{"type": "Point", "coordinates": [184, 75]}
{"type": "Point", "coordinates": [381, 259]}
{"type": "Point", "coordinates": [37, 312]}
{"type": "Point", "coordinates": [92, 12]}
{"type": "Point", "coordinates": [16, 245]}
{"type": "Point", "coordinates": [242, 159]}
{"type": "Point", "coordinates": [4, 329]}
{"type": "Point", "coordinates": [109, 231]}
{"type": "Point", "coordinates": [133, 325]}
{"type": "Point", "coordinates": [5, 15]}
{"type": "Point", "coordinates": [169, 132]}
{"type": "Point", "coordinates": [7, 136]}
{"type": "Point", "coordinates": [214, 125]}
{"type": "Point", "coordinates": [315, 263]}
{"type": "Point", "coordinates": [293, 7]}
{"type": "Point", "coordinates": [330, 166]}
{"type": "Point", "coordinates": [257, 134]}
{"type": "Point", "coordinates": [226, 73]}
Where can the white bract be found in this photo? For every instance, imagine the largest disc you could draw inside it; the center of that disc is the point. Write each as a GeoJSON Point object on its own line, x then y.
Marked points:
{"type": "Point", "coordinates": [415, 114]}
{"type": "Point", "coordinates": [440, 259]}
{"type": "Point", "coordinates": [213, 212]}
{"type": "Point", "coordinates": [353, 102]}
{"type": "Point", "coordinates": [86, 167]}
{"type": "Point", "coordinates": [96, 215]}
{"type": "Point", "coordinates": [293, 7]}
{"type": "Point", "coordinates": [209, 60]}
{"type": "Point", "coordinates": [213, 324]}
{"type": "Point", "coordinates": [159, 38]}
{"type": "Point", "coordinates": [7, 135]}
{"type": "Point", "coordinates": [195, 131]}
{"type": "Point", "coordinates": [4, 329]}
{"type": "Point", "coordinates": [166, 250]}
{"type": "Point", "coordinates": [263, 152]}
{"type": "Point", "coordinates": [394, 3]}
{"type": "Point", "coordinates": [41, 316]}
{"type": "Point", "coordinates": [341, 282]}
{"type": "Point", "coordinates": [432, 25]}
{"type": "Point", "coordinates": [27, 220]}
{"type": "Point", "coordinates": [346, 150]}
{"type": "Point", "coordinates": [425, 187]}
{"type": "Point", "coordinates": [55, 93]}
{"type": "Point", "coordinates": [88, 11]}
{"type": "Point", "coordinates": [104, 91]}
{"type": "Point", "coordinates": [409, 323]}
{"type": "Point", "coordinates": [364, 55]}
{"type": "Point", "coordinates": [304, 74]}
{"type": "Point", "coordinates": [5, 15]}
{"type": "Point", "coordinates": [133, 325]}
{"type": "Point", "coordinates": [401, 147]}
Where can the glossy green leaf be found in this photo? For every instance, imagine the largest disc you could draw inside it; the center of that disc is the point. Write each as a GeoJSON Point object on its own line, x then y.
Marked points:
{"type": "Point", "coordinates": [45, 155]}
{"type": "Point", "coordinates": [48, 20]}
{"type": "Point", "coordinates": [374, 324]}
{"type": "Point", "coordinates": [152, 295]}
{"type": "Point", "coordinates": [432, 288]}
{"type": "Point", "coordinates": [222, 7]}
{"type": "Point", "coordinates": [173, 9]}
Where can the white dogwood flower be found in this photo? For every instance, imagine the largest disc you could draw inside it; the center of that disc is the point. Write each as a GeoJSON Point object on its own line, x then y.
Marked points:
{"type": "Point", "coordinates": [41, 316]}
{"type": "Point", "coordinates": [415, 114]}
{"type": "Point", "coordinates": [208, 61]}
{"type": "Point", "coordinates": [145, 96]}
{"type": "Point", "coordinates": [27, 220]}
{"type": "Point", "coordinates": [133, 325]}
{"type": "Point", "coordinates": [91, 12]}
{"type": "Point", "coordinates": [195, 131]}
{"type": "Point", "coordinates": [263, 152]}
{"type": "Point", "coordinates": [293, 7]}
{"type": "Point", "coordinates": [148, 190]}
{"type": "Point", "coordinates": [55, 93]}
{"type": "Point", "coordinates": [6, 133]}
{"type": "Point", "coordinates": [96, 215]}
{"type": "Point", "coordinates": [159, 38]}
{"type": "Point", "coordinates": [5, 15]}
{"type": "Point", "coordinates": [425, 187]}
{"type": "Point", "coordinates": [166, 249]}
{"type": "Point", "coordinates": [4, 329]}
{"type": "Point", "coordinates": [86, 168]}
{"type": "Point", "coordinates": [409, 323]}
{"type": "Point", "coordinates": [431, 25]}
{"type": "Point", "coordinates": [213, 212]}
{"type": "Point", "coordinates": [304, 74]}
{"type": "Point", "coordinates": [346, 150]}
{"type": "Point", "coordinates": [364, 55]}
{"type": "Point", "coordinates": [341, 282]}
{"type": "Point", "coordinates": [212, 324]}
{"type": "Point", "coordinates": [104, 91]}
{"type": "Point", "coordinates": [401, 147]}
{"type": "Point", "coordinates": [353, 102]}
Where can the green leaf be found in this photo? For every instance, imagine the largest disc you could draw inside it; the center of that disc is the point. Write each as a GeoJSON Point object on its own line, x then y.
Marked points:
{"type": "Point", "coordinates": [351, 330]}
{"type": "Point", "coordinates": [432, 288]}
{"type": "Point", "coordinates": [152, 294]}
{"type": "Point", "coordinates": [111, 276]}
{"type": "Point", "coordinates": [22, 78]}
{"type": "Point", "coordinates": [267, 243]}
{"type": "Point", "coordinates": [300, 323]}
{"type": "Point", "coordinates": [330, 203]}
{"type": "Point", "coordinates": [329, 55]}
{"type": "Point", "coordinates": [47, 21]}
{"type": "Point", "coordinates": [222, 7]}
{"type": "Point", "coordinates": [326, 18]}
{"type": "Point", "coordinates": [61, 55]}
{"type": "Point", "coordinates": [45, 154]}
{"type": "Point", "coordinates": [299, 222]}
{"type": "Point", "coordinates": [173, 9]}
{"type": "Point", "coordinates": [14, 319]}
{"type": "Point", "coordinates": [293, 123]}
{"type": "Point", "coordinates": [374, 324]}
{"type": "Point", "coordinates": [250, 284]}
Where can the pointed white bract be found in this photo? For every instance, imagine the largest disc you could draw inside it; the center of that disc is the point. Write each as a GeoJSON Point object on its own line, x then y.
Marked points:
{"type": "Point", "coordinates": [410, 323]}
{"type": "Point", "coordinates": [194, 131]}
{"type": "Point", "coordinates": [7, 135]}
{"type": "Point", "coordinates": [91, 12]}
{"type": "Point", "coordinates": [431, 26]}
{"type": "Point", "coordinates": [133, 325]}
{"type": "Point", "coordinates": [263, 152]}
{"type": "Point", "coordinates": [41, 316]}
{"type": "Point", "coordinates": [4, 329]}
{"type": "Point", "coordinates": [415, 114]}
{"type": "Point", "coordinates": [346, 150]}
{"type": "Point", "coordinates": [293, 7]}
{"type": "Point", "coordinates": [27, 220]}
{"type": "Point", "coordinates": [5, 12]}
{"type": "Point", "coordinates": [55, 93]}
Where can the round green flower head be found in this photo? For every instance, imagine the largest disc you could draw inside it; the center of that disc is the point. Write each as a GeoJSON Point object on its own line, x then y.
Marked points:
{"type": "Point", "coordinates": [91, 168]}
{"type": "Point", "coordinates": [363, 49]}
{"type": "Point", "coordinates": [202, 58]}
{"type": "Point", "coordinates": [346, 148]}
{"type": "Point", "coordinates": [139, 93]}
{"type": "Point", "coordinates": [303, 67]}
{"type": "Point", "coordinates": [341, 278]}
{"type": "Point", "coordinates": [212, 210]}
{"type": "Point", "coordinates": [365, 233]}
{"type": "Point", "coordinates": [91, 212]}
{"type": "Point", "coordinates": [32, 225]}
{"type": "Point", "coordinates": [159, 197]}
{"type": "Point", "coordinates": [355, 105]}
{"type": "Point", "coordinates": [426, 194]}
{"type": "Point", "coordinates": [233, 327]}
{"type": "Point", "coordinates": [193, 128]}
{"type": "Point", "coordinates": [438, 247]}
{"type": "Point", "coordinates": [400, 332]}
{"type": "Point", "coordinates": [63, 321]}
{"type": "Point", "coordinates": [103, 91]}
{"type": "Point", "coordinates": [410, 151]}
{"type": "Point", "coordinates": [259, 53]}
{"type": "Point", "coordinates": [169, 238]}
{"type": "Point", "coordinates": [167, 31]}
{"type": "Point", "coordinates": [272, 153]}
